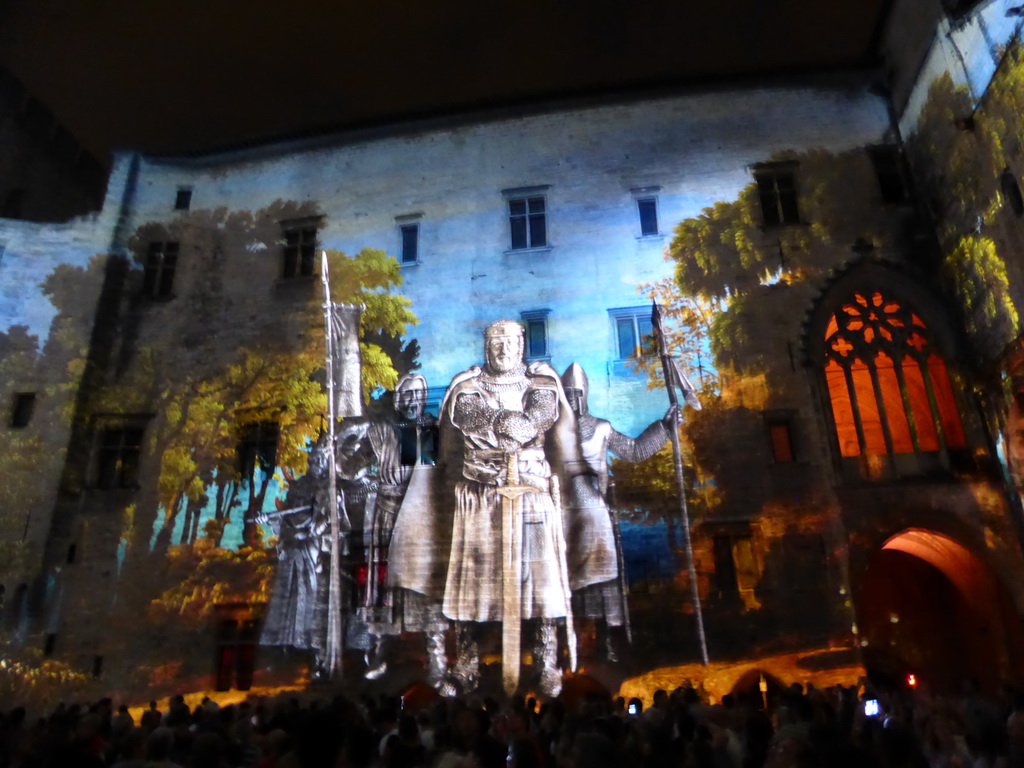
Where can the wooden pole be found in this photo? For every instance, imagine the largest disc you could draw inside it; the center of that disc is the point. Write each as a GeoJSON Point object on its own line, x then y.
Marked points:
{"type": "Point", "coordinates": [677, 456]}
{"type": "Point", "coordinates": [332, 660]}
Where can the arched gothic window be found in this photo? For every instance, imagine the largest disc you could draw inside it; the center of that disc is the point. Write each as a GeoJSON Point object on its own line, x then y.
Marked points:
{"type": "Point", "coordinates": [889, 388]}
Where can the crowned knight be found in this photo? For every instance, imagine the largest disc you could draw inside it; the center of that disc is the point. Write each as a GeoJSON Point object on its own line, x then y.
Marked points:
{"type": "Point", "coordinates": [515, 432]}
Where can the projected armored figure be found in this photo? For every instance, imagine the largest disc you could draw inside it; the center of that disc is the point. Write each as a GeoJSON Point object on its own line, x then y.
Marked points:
{"type": "Point", "coordinates": [508, 559]}
{"type": "Point", "coordinates": [401, 446]}
{"type": "Point", "coordinates": [354, 463]}
{"type": "Point", "coordinates": [300, 528]}
{"type": "Point", "coordinates": [594, 563]}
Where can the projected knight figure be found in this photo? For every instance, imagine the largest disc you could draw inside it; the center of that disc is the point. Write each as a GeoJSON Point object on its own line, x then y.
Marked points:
{"type": "Point", "coordinates": [300, 533]}
{"type": "Point", "coordinates": [595, 567]}
{"type": "Point", "coordinates": [508, 552]}
{"type": "Point", "coordinates": [402, 446]}
{"type": "Point", "coordinates": [313, 528]}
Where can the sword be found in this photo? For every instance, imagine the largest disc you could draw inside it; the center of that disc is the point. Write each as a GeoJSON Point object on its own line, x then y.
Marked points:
{"type": "Point", "coordinates": [563, 571]}
{"type": "Point", "coordinates": [621, 580]}
{"type": "Point", "coordinates": [512, 572]}
{"type": "Point", "coordinates": [283, 512]}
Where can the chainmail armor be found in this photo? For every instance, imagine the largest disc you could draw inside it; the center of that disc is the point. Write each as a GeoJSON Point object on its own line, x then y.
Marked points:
{"type": "Point", "coordinates": [639, 448]}
{"type": "Point", "coordinates": [472, 415]}
{"type": "Point", "coordinates": [514, 427]}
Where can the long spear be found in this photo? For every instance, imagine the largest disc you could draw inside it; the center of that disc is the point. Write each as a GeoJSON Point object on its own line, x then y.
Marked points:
{"type": "Point", "coordinates": [676, 378]}
{"type": "Point", "coordinates": [332, 662]}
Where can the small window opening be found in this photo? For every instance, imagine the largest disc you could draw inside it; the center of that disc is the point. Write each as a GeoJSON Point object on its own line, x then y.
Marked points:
{"type": "Point", "coordinates": [299, 251]}
{"type": "Point", "coordinates": [119, 453]}
{"type": "Point", "coordinates": [528, 222]}
{"type": "Point", "coordinates": [183, 200]}
{"type": "Point", "coordinates": [1011, 192]}
{"type": "Point", "coordinates": [890, 175]}
{"type": "Point", "coordinates": [97, 666]}
{"type": "Point", "coordinates": [410, 243]}
{"type": "Point", "coordinates": [633, 331]}
{"type": "Point", "coordinates": [782, 441]}
{"type": "Point", "coordinates": [50, 644]}
{"type": "Point", "coordinates": [536, 338]}
{"type": "Point", "coordinates": [71, 554]}
{"type": "Point", "coordinates": [158, 277]}
{"type": "Point", "coordinates": [725, 565]}
{"type": "Point", "coordinates": [22, 409]}
{"type": "Point", "coordinates": [776, 190]}
{"type": "Point", "coordinates": [647, 207]}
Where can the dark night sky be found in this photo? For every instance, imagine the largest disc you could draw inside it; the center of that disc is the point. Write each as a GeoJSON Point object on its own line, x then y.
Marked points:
{"type": "Point", "coordinates": [193, 74]}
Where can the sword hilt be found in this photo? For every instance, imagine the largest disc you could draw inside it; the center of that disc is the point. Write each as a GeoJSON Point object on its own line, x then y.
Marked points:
{"type": "Point", "coordinates": [512, 468]}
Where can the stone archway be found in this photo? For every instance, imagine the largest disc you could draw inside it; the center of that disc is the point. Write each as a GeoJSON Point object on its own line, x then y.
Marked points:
{"type": "Point", "coordinates": [929, 606]}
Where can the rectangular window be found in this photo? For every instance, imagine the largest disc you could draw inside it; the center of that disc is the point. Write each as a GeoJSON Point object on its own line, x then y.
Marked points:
{"type": "Point", "coordinates": [299, 251]}
{"type": "Point", "coordinates": [527, 222]}
{"type": "Point", "coordinates": [158, 278]}
{"type": "Point", "coordinates": [21, 410]}
{"type": "Point", "coordinates": [776, 189]}
{"type": "Point", "coordinates": [257, 448]}
{"type": "Point", "coordinates": [119, 452]}
{"type": "Point", "coordinates": [633, 331]}
{"type": "Point", "coordinates": [725, 564]}
{"type": "Point", "coordinates": [410, 243]}
{"type": "Point", "coordinates": [890, 176]}
{"type": "Point", "coordinates": [536, 339]}
{"type": "Point", "coordinates": [778, 426]}
{"type": "Point", "coordinates": [183, 200]}
{"type": "Point", "coordinates": [782, 444]}
{"type": "Point", "coordinates": [536, 324]}
{"type": "Point", "coordinates": [50, 644]}
{"type": "Point", "coordinates": [737, 566]}
{"type": "Point", "coordinates": [647, 207]}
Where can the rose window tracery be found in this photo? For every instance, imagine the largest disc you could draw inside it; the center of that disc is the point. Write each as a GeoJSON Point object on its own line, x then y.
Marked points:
{"type": "Point", "coordinates": [889, 388]}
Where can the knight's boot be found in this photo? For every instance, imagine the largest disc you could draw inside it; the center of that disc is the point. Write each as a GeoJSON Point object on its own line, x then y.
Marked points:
{"type": "Point", "coordinates": [467, 665]}
{"type": "Point", "coordinates": [437, 660]}
{"type": "Point", "coordinates": [547, 658]}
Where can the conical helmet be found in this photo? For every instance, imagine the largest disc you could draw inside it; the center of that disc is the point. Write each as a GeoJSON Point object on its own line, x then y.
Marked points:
{"type": "Point", "coordinates": [576, 378]}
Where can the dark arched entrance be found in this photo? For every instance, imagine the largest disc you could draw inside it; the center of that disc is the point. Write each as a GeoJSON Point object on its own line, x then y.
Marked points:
{"type": "Point", "coordinates": [929, 606]}
{"type": "Point", "coordinates": [750, 683]}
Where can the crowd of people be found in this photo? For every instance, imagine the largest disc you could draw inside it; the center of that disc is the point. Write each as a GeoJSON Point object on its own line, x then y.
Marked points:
{"type": "Point", "coordinates": [801, 727]}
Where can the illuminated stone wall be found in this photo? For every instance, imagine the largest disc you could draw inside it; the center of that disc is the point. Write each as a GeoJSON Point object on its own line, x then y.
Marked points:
{"type": "Point", "coordinates": [53, 276]}
{"type": "Point", "coordinates": [776, 208]}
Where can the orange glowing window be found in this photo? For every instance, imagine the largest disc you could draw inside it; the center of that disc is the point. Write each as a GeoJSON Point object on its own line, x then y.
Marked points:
{"type": "Point", "coordinates": [782, 441]}
{"type": "Point", "coordinates": [890, 390]}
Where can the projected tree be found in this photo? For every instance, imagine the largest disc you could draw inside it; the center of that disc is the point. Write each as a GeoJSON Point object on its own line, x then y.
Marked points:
{"type": "Point", "coordinates": [961, 158]}
{"type": "Point", "coordinates": [228, 366]}
{"type": "Point", "coordinates": [746, 272]}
